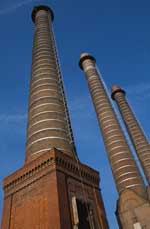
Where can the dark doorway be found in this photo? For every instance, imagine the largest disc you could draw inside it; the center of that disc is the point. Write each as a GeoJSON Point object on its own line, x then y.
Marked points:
{"type": "Point", "coordinates": [83, 215]}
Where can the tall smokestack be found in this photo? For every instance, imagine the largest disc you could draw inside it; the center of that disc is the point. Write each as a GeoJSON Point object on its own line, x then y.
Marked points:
{"type": "Point", "coordinates": [53, 190]}
{"type": "Point", "coordinates": [124, 168]}
{"type": "Point", "coordinates": [136, 133]}
{"type": "Point", "coordinates": [48, 122]}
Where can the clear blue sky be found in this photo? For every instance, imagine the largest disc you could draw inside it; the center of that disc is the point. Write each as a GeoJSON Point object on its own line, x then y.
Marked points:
{"type": "Point", "coordinates": [116, 32]}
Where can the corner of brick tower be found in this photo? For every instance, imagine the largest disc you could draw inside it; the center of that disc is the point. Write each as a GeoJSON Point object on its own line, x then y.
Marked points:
{"type": "Point", "coordinates": [47, 187]}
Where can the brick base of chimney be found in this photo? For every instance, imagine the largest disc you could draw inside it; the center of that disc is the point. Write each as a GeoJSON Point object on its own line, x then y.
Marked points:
{"type": "Point", "coordinates": [39, 195]}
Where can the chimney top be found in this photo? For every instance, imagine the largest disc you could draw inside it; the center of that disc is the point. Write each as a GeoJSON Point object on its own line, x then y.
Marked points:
{"type": "Point", "coordinates": [85, 56]}
{"type": "Point", "coordinates": [116, 89]}
{"type": "Point", "coordinates": [42, 7]}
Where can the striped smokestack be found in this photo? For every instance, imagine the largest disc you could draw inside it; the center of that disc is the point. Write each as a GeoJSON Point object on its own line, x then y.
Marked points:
{"type": "Point", "coordinates": [135, 131]}
{"type": "Point", "coordinates": [48, 119]}
{"type": "Point", "coordinates": [123, 165]}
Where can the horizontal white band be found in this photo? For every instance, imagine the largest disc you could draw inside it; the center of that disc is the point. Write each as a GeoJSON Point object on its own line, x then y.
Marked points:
{"type": "Point", "coordinates": [94, 82]}
{"type": "Point", "coordinates": [45, 97]}
{"type": "Point", "coordinates": [123, 159]}
{"type": "Point", "coordinates": [45, 120]}
{"type": "Point", "coordinates": [104, 113]}
{"type": "Point", "coordinates": [113, 125]}
{"type": "Point", "coordinates": [115, 141]}
{"type": "Point", "coordinates": [91, 77]}
{"type": "Point", "coordinates": [40, 55]}
{"type": "Point", "coordinates": [40, 74]}
{"type": "Point", "coordinates": [101, 111]}
{"type": "Point", "coordinates": [116, 154]}
{"type": "Point", "coordinates": [48, 89]}
{"type": "Point", "coordinates": [44, 84]}
{"type": "Point", "coordinates": [116, 147]}
{"type": "Point", "coordinates": [112, 136]}
{"type": "Point", "coordinates": [127, 179]}
{"type": "Point", "coordinates": [44, 70]}
{"type": "Point", "coordinates": [47, 149]}
{"type": "Point", "coordinates": [107, 117]}
{"type": "Point", "coordinates": [44, 50]}
{"type": "Point", "coordinates": [124, 166]}
{"type": "Point", "coordinates": [41, 51]}
{"type": "Point", "coordinates": [45, 112]}
{"type": "Point", "coordinates": [43, 66]}
{"type": "Point", "coordinates": [40, 37]}
{"type": "Point", "coordinates": [111, 131]}
{"type": "Point", "coordinates": [97, 88]}
{"type": "Point", "coordinates": [125, 174]}
{"type": "Point", "coordinates": [99, 97]}
{"type": "Point", "coordinates": [50, 137]}
{"type": "Point", "coordinates": [42, 62]}
{"type": "Point", "coordinates": [40, 58]}
{"type": "Point", "coordinates": [41, 40]}
{"type": "Point", "coordinates": [45, 129]}
{"type": "Point", "coordinates": [101, 102]}
{"type": "Point", "coordinates": [102, 106]}
{"type": "Point", "coordinates": [44, 104]}
{"type": "Point", "coordinates": [46, 58]}
{"type": "Point", "coordinates": [131, 186]}
{"type": "Point", "coordinates": [44, 78]}
{"type": "Point", "coordinates": [107, 121]}
{"type": "Point", "coordinates": [44, 38]}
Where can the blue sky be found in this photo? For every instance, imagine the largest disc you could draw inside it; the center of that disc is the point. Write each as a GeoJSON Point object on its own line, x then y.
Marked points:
{"type": "Point", "coordinates": [116, 32]}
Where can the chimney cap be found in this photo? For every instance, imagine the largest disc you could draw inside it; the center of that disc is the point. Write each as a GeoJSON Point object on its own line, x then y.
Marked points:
{"type": "Point", "coordinates": [85, 56]}
{"type": "Point", "coordinates": [116, 89]}
{"type": "Point", "coordinates": [42, 7]}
